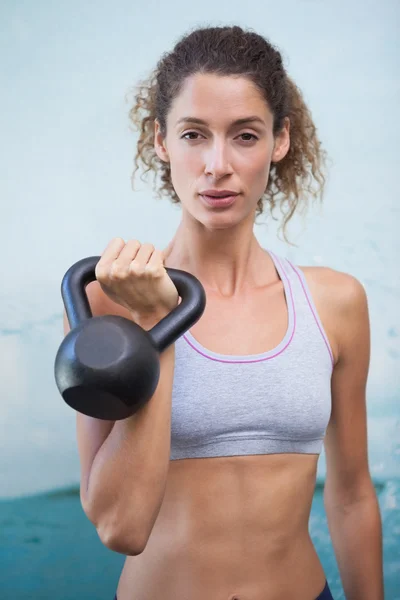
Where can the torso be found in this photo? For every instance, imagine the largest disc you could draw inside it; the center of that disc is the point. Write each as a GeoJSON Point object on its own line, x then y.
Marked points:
{"type": "Point", "coordinates": [236, 528]}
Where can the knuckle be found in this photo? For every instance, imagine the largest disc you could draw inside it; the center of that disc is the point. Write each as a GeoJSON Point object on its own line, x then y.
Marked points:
{"type": "Point", "coordinates": [117, 272]}
{"type": "Point", "coordinates": [136, 269]}
{"type": "Point", "coordinates": [155, 271]}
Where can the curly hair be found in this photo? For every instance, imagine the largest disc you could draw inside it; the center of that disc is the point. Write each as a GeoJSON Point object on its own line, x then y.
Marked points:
{"type": "Point", "coordinates": [226, 51]}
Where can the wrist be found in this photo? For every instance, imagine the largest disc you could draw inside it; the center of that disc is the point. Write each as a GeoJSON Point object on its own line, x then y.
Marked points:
{"type": "Point", "coordinates": [148, 321]}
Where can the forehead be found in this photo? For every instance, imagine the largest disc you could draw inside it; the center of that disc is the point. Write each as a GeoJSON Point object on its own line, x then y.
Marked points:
{"type": "Point", "coordinates": [214, 97]}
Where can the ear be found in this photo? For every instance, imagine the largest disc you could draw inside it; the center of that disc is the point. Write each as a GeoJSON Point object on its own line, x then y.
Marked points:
{"type": "Point", "coordinates": [282, 142]}
{"type": "Point", "coordinates": [159, 143]}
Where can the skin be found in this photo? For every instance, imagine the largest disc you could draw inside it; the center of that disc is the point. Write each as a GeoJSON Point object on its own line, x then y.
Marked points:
{"type": "Point", "coordinates": [237, 527]}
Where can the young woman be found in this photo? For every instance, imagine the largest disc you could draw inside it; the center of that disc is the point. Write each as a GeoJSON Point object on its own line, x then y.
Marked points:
{"type": "Point", "coordinates": [208, 488]}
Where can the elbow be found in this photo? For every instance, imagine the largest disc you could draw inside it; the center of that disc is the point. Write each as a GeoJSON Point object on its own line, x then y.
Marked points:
{"type": "Point", "coordinates": [113, 532]}
{"type": "Point", "coordinates": [120, 540]}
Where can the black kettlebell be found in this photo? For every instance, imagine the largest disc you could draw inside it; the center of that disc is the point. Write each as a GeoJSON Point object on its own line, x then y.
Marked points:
{"type": "Point", "coordinates": [108, 367]}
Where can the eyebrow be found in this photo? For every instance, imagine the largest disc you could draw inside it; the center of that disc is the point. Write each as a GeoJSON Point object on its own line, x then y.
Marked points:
{"type": "Point", "coordinates": [243, 121]}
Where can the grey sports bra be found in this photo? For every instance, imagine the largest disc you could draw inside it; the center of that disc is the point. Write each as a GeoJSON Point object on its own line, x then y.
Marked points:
{"type": "Point", "coordinates": [274, 402]}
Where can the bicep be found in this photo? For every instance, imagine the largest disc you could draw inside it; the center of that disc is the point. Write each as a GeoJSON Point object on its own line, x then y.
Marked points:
{"type": "Point", "coordinates": [346, 445]}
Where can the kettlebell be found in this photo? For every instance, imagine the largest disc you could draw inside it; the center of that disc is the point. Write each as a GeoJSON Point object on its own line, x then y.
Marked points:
{"type": "Point", "coordinates": [108, 367]}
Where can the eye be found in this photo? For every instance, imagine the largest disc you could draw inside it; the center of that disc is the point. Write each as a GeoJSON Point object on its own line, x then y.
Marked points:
{"type": "Point", "coordinates": [251, 135]}
{"type": "Point", "coordinates": [190, 133]}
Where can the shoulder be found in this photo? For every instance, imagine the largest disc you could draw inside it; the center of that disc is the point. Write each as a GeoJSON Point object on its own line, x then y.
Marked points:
{"type": "Point", "coordinates": [341, 302]}
{"type": "Point", "coordinates": [341, 289]}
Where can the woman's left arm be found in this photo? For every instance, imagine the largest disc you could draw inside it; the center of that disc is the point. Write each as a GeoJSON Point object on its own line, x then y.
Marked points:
{"type": "Point", "coordinates": [349, 495]}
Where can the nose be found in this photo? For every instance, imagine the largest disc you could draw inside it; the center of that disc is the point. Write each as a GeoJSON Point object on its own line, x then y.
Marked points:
{"type": "Point", "coordinates": [217, 161]}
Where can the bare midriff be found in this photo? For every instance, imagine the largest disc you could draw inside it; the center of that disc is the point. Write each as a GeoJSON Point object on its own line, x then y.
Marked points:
{"type": "Point", "coordinates": [231, 528]}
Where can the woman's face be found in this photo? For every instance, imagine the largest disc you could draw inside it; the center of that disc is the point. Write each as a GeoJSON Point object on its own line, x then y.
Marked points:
{"type": "Point", "coordinates": [210, 151]}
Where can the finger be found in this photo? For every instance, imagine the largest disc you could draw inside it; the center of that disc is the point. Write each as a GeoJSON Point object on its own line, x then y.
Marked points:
{"type": "Point", "coordinates": [128, 253]}
{"type": "Point", "coordinates": [120, 268]}
{"type": "Point", "coordinates": [155, 266]}
{"type": "Point", "coordinates": [143, 256]}
{"type": "Point", "coordinates": [113, 249]}
{"type": "Point", "coordinates": [111, 253]}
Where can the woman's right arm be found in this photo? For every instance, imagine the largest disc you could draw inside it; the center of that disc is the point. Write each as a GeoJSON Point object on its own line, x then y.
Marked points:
{"type": "Point", "coordinates": [124, 464]}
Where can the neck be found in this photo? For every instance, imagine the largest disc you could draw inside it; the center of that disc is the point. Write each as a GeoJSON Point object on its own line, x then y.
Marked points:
{"type": "Point", "coordinates": [227, 261]}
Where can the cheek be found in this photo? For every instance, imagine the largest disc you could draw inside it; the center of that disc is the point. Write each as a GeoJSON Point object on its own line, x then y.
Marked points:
{"type": "Point", "coordinates": [186, 167]}
{"type": "Point", "coordinates": [187, 160]}
{"type": "Point", "coordinates": [257, 174]}
{"type": "Point", "coordinates": [258, 166]}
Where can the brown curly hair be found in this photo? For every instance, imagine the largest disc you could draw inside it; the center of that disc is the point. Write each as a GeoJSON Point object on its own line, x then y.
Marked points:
{"type": "Point", "coordinates": [234, 51]}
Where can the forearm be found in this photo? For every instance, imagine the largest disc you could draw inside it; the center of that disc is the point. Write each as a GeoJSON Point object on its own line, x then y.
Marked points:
{"type": "Point", "coordinates": [356, 533]}
{"type": "Point", "coordinates": [128, 475]}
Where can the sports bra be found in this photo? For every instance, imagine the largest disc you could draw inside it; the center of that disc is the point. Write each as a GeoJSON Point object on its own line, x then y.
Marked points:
{"type": "Point", "coordinates": [270, 403]}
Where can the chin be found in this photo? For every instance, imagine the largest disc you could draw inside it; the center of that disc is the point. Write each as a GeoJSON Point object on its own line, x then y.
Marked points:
{"type": "Point", "coordinates": [220, 222]}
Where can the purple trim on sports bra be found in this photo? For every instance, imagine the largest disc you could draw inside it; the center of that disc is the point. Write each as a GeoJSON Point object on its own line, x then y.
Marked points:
{"type": "Point", "coordinates": [313, 311]}
{"type": "Point", "coordinates": [254, 358]}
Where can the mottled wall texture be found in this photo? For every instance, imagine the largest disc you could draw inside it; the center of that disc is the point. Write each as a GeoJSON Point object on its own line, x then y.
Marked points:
{"type": "Point", "coordinates": [66, 156]}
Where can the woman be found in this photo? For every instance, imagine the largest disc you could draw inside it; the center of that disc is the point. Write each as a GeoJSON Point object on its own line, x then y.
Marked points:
{"type": "Point", "coordinates": [208, 488]}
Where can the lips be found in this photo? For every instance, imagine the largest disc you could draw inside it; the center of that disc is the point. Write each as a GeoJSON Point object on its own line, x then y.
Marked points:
{"type": "Point", "coordinates": [218, 201]}
{"type": "Point", "coordinates": [218, 193]}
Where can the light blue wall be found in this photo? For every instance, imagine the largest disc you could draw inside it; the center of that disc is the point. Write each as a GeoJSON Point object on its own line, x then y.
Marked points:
{"type": "Point", "coordinates": [66, 157]}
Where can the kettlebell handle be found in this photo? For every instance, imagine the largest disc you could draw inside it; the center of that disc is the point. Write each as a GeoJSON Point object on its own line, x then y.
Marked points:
{"type": "Point", "coordinates": [164, 333]}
